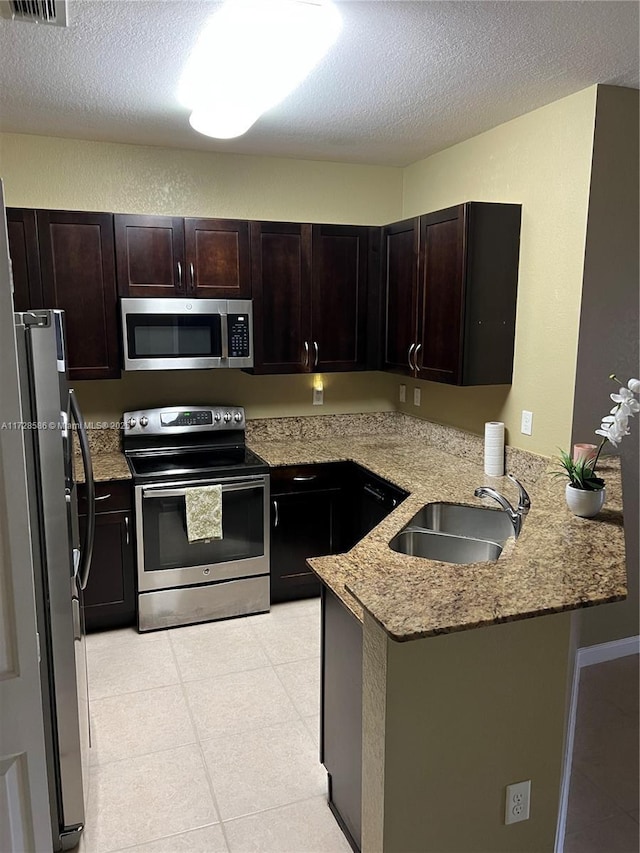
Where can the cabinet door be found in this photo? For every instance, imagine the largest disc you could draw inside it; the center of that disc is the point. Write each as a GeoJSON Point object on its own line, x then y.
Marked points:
{"type": "Point", "coordinates": [281, 286]}
{"type": "Point", "coordinates": [78, 275]}
{"type": "Point", "coordinates": [109, 598]}
{"type": "Point", "coordinates": [400, 286]}
{"type": "Point", "coordinates": [440, 295]}
{"type": "Point", "coordinates": [150, 255]}
{"type": "Point", "coordinates": [25, 263]}
{"type": "Point", "coordinates": [339, 297]}
{"type": "Point", "coordinates": [218, 259]}
{"type": "Point", "coordinates": [301, 527]}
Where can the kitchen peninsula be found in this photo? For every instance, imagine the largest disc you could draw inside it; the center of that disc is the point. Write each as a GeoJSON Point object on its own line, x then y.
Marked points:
{"type": "Point", "coordinates": [450, 716]}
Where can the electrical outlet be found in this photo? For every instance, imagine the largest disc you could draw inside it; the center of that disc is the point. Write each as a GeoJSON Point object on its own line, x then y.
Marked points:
{"type": "Point", "coordinates": [526, 427]}
{"type": "Point", "coordinates": [318, 396]}
{"type": "Point", "coordinates": [403, 393]}
{"type": "Point", "coordinates": [517, 802]}
{"type": "Point", "coordinates": [416, 396]}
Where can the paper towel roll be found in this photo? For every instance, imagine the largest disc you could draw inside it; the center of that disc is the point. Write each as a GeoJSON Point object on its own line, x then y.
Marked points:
{"type": "Point", "coordinates": [494, 449]}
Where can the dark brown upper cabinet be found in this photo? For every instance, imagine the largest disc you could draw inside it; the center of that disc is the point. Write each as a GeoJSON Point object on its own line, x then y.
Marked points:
{"type": "Point", "coordinates": [25, 262]}
{"type": "Point", "coordinates": [450, 294]}
{"type": "Point", "coordinates": [170, 256]}
{"type": "Point", "coordinates": [339, 297]}
{"type": "Point", "coordinates": [309, 286]}
{"type": "Point", "coordinates": [78, 275]}
{"type": "Point", "coordinates": [281, 289]}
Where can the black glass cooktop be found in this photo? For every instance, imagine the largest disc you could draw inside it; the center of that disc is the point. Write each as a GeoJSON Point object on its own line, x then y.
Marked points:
{"type": "Point", "coordinates": [186, 464]}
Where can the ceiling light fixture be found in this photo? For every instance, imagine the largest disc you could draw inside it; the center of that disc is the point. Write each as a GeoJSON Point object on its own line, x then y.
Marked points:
{"type": "Point", "coordinates": [250, 55]}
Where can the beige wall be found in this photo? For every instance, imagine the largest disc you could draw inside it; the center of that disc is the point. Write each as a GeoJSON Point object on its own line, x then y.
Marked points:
{"type": "Point", "coordinates": [541, 160]}
{"type": "Point", "coordinates": [262, 396]}
{"type": "Point", "coordinates": [72, 174]}
{"type": "Point", "coordinates": [460, 717]}
{"type": "Point", "coordinates": [609, 332]}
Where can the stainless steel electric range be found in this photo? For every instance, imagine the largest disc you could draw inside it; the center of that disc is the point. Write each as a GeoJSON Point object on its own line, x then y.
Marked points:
{"type": "Point", "coordinates": [170, 451]}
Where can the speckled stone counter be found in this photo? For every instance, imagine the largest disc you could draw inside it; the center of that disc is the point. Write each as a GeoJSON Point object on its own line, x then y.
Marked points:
{"type": "Point", "coordinates": [560, 562]}
{"type": "Point", "coordinates": [107, 458]}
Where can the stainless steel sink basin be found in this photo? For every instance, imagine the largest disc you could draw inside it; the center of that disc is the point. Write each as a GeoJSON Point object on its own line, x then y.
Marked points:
{"type": "Point", "coordinates": [474, 522]}
{"type": "Point", "coordinates": [443, 547]}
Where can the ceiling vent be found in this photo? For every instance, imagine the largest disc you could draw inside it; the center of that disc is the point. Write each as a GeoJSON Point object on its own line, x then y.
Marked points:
{"type": "Point", "coordinates": [52, 12]}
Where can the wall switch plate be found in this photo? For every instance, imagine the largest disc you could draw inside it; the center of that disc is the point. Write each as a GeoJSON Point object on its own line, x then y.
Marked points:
{"type": "Point", "coordinates": [318, 397]}
{"type": "Point", "coordinates": [416, 396]}
{"type": "Point", "coordinates": [403, 394]}
{"type": "Point", "coordinates": [526, 427]}
{"type": "Point", "coordinates": [517, 802]}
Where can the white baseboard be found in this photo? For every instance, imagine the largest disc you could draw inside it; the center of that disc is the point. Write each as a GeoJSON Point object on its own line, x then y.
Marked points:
{"type": "Point", "coordinates": [588, 655]}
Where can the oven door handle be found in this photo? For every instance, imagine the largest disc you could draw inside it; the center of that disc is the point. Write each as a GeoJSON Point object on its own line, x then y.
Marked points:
{"type": "Point", "coordinates": [181, 493]}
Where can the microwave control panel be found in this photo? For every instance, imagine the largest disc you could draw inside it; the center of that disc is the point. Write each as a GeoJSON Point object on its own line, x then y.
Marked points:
{"type": "Point", "coordinates": [238, 326]}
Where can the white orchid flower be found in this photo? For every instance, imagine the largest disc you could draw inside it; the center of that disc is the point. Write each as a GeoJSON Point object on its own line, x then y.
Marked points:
{"type": "Point", "coordinates": [634, 385]}
{"type": "Point", "coordinates": [626, 401]}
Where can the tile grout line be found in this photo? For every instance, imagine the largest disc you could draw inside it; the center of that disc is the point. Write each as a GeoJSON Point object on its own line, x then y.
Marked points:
{"type": "Point", "coordinates": [200, 749]}
{"type": "Point", "coordinates": [275, 808]}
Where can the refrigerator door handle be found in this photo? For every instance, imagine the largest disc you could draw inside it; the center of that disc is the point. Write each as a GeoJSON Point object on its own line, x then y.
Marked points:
{"type": "Point", "coordinates": [89, 533]}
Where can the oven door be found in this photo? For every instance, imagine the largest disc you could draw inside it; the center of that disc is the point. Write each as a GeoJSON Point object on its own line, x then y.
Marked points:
{"type": "Point", "coordinates": [167, 560]}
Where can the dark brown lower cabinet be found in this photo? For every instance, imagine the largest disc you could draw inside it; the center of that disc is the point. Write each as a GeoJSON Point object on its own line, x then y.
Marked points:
{"type": "Point", "coordinates": [317, 510]}
{"type": "Point", "coordinates": [302, 526]}
{"type": "Point", "coordinates": [341, 713]}
{"type": "Point", "coordinates": [110, 596]}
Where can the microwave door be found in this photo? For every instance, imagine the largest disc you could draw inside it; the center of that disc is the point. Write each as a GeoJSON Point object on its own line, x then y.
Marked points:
{"type": "Point", "coordinates": [174, 341]}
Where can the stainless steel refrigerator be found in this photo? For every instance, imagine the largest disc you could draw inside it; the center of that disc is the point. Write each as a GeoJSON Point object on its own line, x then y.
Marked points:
{"type": "Point", "coordinates": [50, 417]}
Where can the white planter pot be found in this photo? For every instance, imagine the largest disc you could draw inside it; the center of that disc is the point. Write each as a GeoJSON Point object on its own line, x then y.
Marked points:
{"type": "Point", "coordinates": [585, 504]}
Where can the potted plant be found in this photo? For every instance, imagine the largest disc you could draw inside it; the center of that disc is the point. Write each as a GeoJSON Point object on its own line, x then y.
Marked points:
{"type": "Point", "coordinates": [585, 492]}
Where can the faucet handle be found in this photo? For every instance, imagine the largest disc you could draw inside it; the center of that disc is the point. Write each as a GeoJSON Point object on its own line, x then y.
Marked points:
{"type": "Point", "coordinates": [524, 501]}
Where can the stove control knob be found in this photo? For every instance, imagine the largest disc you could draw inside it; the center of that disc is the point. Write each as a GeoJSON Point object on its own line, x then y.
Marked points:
{"type": "Point", "coordinates": [217, 417]}
{"type": "Point", "coordinates": [227, 417]}
{"type": "Point", "coordinates": [131, 423]}
{"type": "Point", "coordinates": [237, 417]}
{"type": "Point", "coordinates": [144, 420]}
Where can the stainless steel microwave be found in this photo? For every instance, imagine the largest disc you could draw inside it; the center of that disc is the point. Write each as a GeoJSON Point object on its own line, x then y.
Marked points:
{"type": "Point", "coordinates": [186, 334]}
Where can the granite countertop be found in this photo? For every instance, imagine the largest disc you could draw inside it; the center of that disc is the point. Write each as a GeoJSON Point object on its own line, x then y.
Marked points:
{"type": "Point", "coordinates": [107, 465]}
{"type": "Point", "coordinates": [559, 562]}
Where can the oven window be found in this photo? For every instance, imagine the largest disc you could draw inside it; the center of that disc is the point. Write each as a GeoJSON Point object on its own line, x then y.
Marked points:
{"type": "Point", "coordinates": [173, 336]}
{"type": "Point", "coordinates": [165, 541]}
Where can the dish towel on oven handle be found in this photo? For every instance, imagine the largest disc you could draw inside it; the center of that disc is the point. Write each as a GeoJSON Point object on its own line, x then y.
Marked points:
{"type": "Point", "coordinates": [203, 506]}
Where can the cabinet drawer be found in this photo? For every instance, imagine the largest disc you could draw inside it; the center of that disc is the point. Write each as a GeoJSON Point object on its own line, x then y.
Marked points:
{"type": "Point", "coordinates": [303, 478]}
{"type": "Point", "coordinates": [111, 495]}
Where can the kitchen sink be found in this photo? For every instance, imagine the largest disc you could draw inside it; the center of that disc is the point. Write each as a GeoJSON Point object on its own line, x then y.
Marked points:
{"type": "Point", "coordinates": [454, 533]}
{"type": "Point", "coordinates": [474, 522]}
{"type": "Point", "coordinates": [444, 547]}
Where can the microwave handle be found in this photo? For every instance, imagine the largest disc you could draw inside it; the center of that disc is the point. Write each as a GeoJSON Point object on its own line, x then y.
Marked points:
{"type": "Point", "coordinates": [224, 334]}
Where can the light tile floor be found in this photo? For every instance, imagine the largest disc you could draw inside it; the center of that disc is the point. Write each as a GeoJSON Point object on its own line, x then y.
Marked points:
{"type": "Point", "coordinates": [603, 799]}
{"type": "Point", "coordinates": [205, 738]}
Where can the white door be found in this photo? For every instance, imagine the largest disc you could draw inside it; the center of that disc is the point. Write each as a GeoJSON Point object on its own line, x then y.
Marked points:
{"type": "Point", "coordinates": [25, 823]}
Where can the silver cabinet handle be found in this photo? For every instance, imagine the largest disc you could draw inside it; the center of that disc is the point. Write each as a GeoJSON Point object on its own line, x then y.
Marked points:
{"type": "Point", "coordinates": [126, 527]}
{"type": "Point", "coordinates": [317, 353]}
{"type": "Point", "coordinates": [415, 358]}
{"type": "Point", "coordinates": [411, 367]}
{"type": "Point", "coordinates": [179, 265]}
{"type": "Point", "coordinates": [276, 519]}
{"type": "Point", "coordinates": [305, 363]}
{"type": "Point", "coordinates": [193, 277]}
{"type": "Point", "coordinates": [305, 479]}
{"type": "Point", "coordinates": [103, 498]}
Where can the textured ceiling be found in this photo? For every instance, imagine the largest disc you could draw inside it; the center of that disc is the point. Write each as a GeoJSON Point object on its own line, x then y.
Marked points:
{"type": "Point", "coordinates": [405, 79]}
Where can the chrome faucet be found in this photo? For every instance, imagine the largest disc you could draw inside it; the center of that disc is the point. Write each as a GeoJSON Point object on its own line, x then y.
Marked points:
{"type": "Point", "coordinates": [516, 515]}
